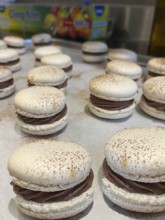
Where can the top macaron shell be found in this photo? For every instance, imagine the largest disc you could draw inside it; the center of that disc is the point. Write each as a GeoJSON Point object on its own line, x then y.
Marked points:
{"type": "Point", "coordinates": [8, 54]}
{"type": "Point", "coordinates": [2, 44]}
{"type": "Point", "coordinates": [39, 101]}
{"type": "Point", "coordinates": [154, 89]}
{"type": "Point", "coordinates": [14, 41]}
{"type": "Point", "coordinates": [94, 47]}
{"type": "Point", "coordinates": [46, 50]}
{"type": "Point", "coordinates": [125, 68]}
{"type": "Point", "coordinates": [138, 154]}
{"type": "Point", "coordinates": [41, 38]}
{"type": "Point", "coordinates": [113, 87]}
{"type": "Point", "coordinates": [46, 75]}
{"type": "Point", "coordinates": [49, 165]}
{"type": "Point", "coordinates": [157, 65]}
{"type": "Point", "coordinates": [60, 60]}
{"type": "Point", "coordinates": [122, 54]}
{"type": "Point", "coordinates": [5, 74]}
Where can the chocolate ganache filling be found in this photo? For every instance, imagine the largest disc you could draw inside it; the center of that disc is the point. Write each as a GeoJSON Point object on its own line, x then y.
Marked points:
{"type": "Point", "coordinates": [67, 69]}
{"type": "Point", "coordinates": [132, 186]}
{"type": "Point", "coordinates": [159, 106]}
{"type": "Point", "coordinates": [110, 105]}
{"type": "Point", "coordinates": [16, 47]}
{"type": "Point", "coordinates": [10, 62]}
{"type": "Point", "coordinates": [6, 83]}
{"type": "Point", "coordinates": [42, 121]}
{"type": "Point", "coordinates": [62, 85]}
{"type": "Point", "coordinates": [153, 74]}
{"type": "Point", "coordinates": [43, 43]}
{"type": "Point", "coordinates": [64, 195]}
{"type": "Point", "coordinates": [95, 54]}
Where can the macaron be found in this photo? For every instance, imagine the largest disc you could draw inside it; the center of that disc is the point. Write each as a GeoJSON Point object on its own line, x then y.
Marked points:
{"type": "Point", "coordinates": [2, 44]}
{"type": "Point", "coordinates": [7, 86]}
{"type": "Point", "coordinates": [153, 99]}
{"type": "Point", "coordinates": [41, 110]}
{"type": "Point", "coordinates": [94, 51]}
{"type": "Point", "coordinates": [156, 67]}
{"type": "Point", "coordinates": [61, 60]}
{"type": "Point", "coordinates": [9, 57]}
{"type": "Point", "coordinates": [45, 51]}
{"type": "Point", "coordinates": [122, 54]}
{"type": "Point", "coordinates": [124, 68]}
{"type": "Point", "coordinates": [48, 76]}
{"type": "Point", "coordinates": [51, 179]}
{"type": "Point", "coordinates": [134, 169]}
{"type": "Point", "coordinates": [17, 43]}
{"type": "Point", "coordinates": [41, 39]}
{"type": "Point", "coordinates": [112, 96]}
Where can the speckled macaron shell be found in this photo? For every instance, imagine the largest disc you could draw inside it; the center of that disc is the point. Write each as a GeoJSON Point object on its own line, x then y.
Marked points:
{"type": "Point", "coordinates": [113, 87]}
{"type": "Point", "coordinates": [39, 101]}
{"type": "Point", "coordinates": [60, 60]}
{"type": "Point", "coordinates": [156, 65]}
{"type": "Point", "coordinates": [122, 54]}
{"type": "Point", "coordinates": [46, 76]}
{"type": "Point", "coordinates": [2, 44]}
{"type": "Point", "coordinates": [46, 50]}
{"type": "Point", "coordinates": [124, 68]}
{"type": "Point", "coordinates": [49, 165]}
{"type": "Point", "coordinates": [16, 41]}
{"type": "Point", "coordinates": [5, 75]}
{"type": "Point", "coordinates": [41, 38]}
{"type": "Point", "coordinates": [138, 154]}
{"type": "Point", "coordinates": [137, 202]}
{"type": "Point", "coordinates": [154, 89]}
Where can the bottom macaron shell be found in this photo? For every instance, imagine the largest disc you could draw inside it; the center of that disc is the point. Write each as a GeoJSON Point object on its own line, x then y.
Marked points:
{"type": "Point", "coordinates": [15, 67]}
{"type": "Point", "coordinates": [7, 91]}
{"type": "Point", "coordinates": [102, 113]}
{"type": "Point", "coordinates": [151, 111]}
{"type": "Point", "coordinates": [94, 58]}
{"type": "Point", "coordinates": [45, 129]}
{"type": "Point", "coordinates": [133, 201]}
{"type": "Point", "coordinates": [21, 51]}
{"type": "Point", "coordinates": [55, 210]}
{"type": "Point", "coordinates": [69, 73]}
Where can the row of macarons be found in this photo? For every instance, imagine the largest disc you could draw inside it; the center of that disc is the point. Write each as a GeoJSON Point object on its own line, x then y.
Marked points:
{"type": "Point", "coordinates": [54, 179]}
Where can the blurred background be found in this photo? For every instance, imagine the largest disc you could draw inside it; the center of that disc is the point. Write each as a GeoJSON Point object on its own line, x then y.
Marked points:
{"type": "Point", "coordinates": [134, 24]}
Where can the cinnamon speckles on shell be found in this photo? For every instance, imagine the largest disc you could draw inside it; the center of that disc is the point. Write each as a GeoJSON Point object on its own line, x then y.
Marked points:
{"type": "Point", "coordinates": [154, 89]}
{"type": "Point", "coordinates": [39, 101]}
{"type": "Point", "coordinates": [157, 65]}
{"type": "Point", "coordinates": [50, 165]}
{"type": "Point", "coordinates": [138, 154]}
{"type": "Point", "coordinates": [113, 87]}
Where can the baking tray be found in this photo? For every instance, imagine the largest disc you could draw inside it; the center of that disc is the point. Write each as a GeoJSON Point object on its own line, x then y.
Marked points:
{"type": "Point", "coordinates": [83, 128]}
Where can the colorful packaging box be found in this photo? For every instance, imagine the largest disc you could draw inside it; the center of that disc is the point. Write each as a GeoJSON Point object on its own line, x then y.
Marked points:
{"type": "Point", "coordinates": [77, 23]}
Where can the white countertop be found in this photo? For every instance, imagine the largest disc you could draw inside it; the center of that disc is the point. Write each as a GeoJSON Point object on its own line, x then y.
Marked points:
{"type": "Point", "coordinates": [83, 128]}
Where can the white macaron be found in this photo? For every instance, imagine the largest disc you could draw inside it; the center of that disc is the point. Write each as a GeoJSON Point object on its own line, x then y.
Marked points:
{"type": "Point", "coordinates": [17, 43]}
{"type": "Point", "coordinates": [41, 39]}
{"type": "Point", "coordinates": [112, 96]}
{"type": "Point", "coordinates": [156, 67]}
{"type": "Point", "coordinates": [48, 76]}
{"type": "Point", "coordinates": [52, 179]}
{"type": "Point", "coordinates": [122, 54]}
{"type": "Point", "coordinates": [9, 57]}
{"type": "Point", "coordinates": [7, 86]}
{"type": "Point", "coordinates": [45, 51]}
{"type": "Point", "coordinates": [94, 51]}
{"type": "Point", "coordinates": [2, 44]}
{"type": "Point", "coordinates": [124, 68]}
{"type": "Point", "coordinates": [153, 98]}
{"type": "Point", "coordinates": [41, 110]}
{"type": "Point", "coordinates": [134, 169]}
{"type": "Point", "coordinates": [63, 61]}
